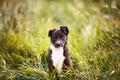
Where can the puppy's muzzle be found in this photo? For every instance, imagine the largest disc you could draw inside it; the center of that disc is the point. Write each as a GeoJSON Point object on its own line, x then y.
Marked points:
{"type": "Point", "coordinates": [58, 44]}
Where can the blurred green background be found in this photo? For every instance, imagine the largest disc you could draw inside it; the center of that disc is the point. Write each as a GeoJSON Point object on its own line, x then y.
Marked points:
{"type": "Point", "coordinates": [93, 41]}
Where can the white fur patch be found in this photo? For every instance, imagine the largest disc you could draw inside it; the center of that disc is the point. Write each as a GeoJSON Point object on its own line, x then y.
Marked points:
{"type": "Point", "coordinates": [57, 57]}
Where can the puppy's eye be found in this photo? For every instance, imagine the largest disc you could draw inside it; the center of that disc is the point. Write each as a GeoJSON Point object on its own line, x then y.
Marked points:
{"type": "Point", "coordinates": [55, 37]}
{"type": "Point", "coordinates": [61, 36]}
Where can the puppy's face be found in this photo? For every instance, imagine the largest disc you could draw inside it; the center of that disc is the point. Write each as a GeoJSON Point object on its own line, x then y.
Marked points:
{"type": "Point", "coordinates": [59, 36]}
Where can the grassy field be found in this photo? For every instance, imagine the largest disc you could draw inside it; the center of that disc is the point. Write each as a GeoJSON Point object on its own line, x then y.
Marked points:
{"type": "Point", "coordinates": [93, 41]}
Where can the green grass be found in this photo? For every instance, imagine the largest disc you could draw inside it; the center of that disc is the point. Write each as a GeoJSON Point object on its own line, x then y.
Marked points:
{"type": "Point", "coordinates": [93, 41]}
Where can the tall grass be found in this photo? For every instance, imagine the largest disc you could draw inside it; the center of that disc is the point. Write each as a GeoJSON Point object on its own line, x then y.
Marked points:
{"type": "Point", "coordinates": [94, 38]}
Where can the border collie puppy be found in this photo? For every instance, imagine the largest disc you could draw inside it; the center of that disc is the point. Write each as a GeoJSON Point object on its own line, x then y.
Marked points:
{"type": "Point", "coordinates": [58, 54]}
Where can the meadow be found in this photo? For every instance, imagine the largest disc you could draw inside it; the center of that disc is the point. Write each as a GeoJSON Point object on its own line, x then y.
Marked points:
{"type": "Point", "coordinates": [93, 41]}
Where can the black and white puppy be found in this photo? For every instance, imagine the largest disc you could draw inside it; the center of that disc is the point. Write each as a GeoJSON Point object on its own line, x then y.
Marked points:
{"type": "Point", "coordinates": [58, 54]}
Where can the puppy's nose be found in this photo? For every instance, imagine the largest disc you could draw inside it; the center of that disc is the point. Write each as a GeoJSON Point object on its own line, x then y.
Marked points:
{"type": "Point", "coordinates": [57, 44]}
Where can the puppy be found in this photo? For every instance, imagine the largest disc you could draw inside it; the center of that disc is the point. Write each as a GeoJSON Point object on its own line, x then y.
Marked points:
{"type": "Point", "coordinates": [58, 54]}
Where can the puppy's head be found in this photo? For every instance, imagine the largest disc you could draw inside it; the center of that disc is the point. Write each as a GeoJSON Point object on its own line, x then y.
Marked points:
{"type": "Point", "coordinates": [59, 36]}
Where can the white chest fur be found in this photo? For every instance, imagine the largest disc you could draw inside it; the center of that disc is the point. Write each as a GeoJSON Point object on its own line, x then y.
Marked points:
{"type": "Point", "coordinates": [57, 57]}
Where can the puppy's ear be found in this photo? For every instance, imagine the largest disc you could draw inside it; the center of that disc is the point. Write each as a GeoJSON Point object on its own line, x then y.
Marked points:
{"type": "Point", "coordinates": [50, 32]}
{"type": "Point", "coordinates": [64, 29]}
